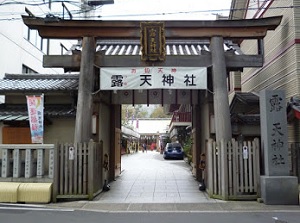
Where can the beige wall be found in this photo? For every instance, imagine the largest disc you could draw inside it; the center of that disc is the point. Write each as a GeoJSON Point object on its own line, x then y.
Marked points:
{"type": "Point", "coordinates": [206, 112]}
{"type": "Point", "coordinates": [61, 130]}
{"type": "Point", "coordinates": [104, 127]}
{"type": "Point", "coordinates": [250, 130]}
{"type": "Point", "coordinates": [104, 132]}
{"type": "Point", "coordinates": [49, 99]}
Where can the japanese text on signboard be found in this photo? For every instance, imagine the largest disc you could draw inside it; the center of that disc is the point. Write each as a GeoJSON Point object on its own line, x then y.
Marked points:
{"type": "Point", "coordinates": [152, 41]}
{"type": "Point", "coordinates": [153, 78]}
{"type": "Point", "coordinates": [277, 133]}
{"type": "Point", "coordinates": [35, 106]}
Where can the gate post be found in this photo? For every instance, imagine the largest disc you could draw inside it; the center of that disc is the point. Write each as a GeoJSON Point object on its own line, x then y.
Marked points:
{"type": "Point", "coordinates": [224, 169]}
{"type": "Point", "coordinates": [91, 148]}
{"type": "Point", "coordinates": [55, 173]}
{"type": "Point", "coordinates": [209, 167]}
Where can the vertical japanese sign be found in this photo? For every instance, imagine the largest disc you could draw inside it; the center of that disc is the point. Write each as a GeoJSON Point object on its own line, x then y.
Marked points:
{"type": "Point", "coordinates": [153, 41]}
{"type": "Point", "coordinates": [35, 106]}
{"type": "Point", "coordinates": [273, 122]}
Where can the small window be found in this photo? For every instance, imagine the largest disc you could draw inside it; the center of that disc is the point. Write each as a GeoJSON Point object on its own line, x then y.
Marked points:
{"type": "Point", "coordinates": [27, 70]}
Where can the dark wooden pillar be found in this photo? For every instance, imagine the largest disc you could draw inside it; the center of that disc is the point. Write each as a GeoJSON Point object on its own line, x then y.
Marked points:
{"type": "Point", "coordinates": [85, 88]}
{"type": "Point", "coordinates": [221, 101]}
{"type": "Point", "coordinates": [196, 133]}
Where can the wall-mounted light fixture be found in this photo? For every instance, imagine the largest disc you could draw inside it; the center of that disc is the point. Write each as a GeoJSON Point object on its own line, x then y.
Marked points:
{"type": "Point", "coordinates": [94, 123]}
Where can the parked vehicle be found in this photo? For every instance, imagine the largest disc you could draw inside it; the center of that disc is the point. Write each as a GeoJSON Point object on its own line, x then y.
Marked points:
{"type": "Point", "coordinates": [174, 151]}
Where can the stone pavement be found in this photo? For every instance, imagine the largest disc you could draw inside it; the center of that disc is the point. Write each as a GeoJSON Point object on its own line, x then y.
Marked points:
{"type": "Point", "coordinates": [150, 183]}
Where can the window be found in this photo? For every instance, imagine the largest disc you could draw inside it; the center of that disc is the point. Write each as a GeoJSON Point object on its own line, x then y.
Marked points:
{"type": "Point", "coordinates": [27, 70]}
{"type": "Point", "coordinates": [34, 38]}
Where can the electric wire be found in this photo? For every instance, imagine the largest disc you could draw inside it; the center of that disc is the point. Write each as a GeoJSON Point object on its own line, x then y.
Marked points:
{"type": "Point", "coordinates": [78, 13]}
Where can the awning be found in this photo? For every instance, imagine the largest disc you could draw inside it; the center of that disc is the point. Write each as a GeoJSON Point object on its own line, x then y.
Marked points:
{"type": "Point", "coordinates": [244, 108]}
{"type": "Point", "coordinates": [129, 133]}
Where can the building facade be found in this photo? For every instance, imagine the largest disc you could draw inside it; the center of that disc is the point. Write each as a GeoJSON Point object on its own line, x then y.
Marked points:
{"type": "Point", "coordinates": [281, 53]}
{"type": "Point", "coordinates": [22, 49]}
{"type": "Point", "coordinates": [60, 95]}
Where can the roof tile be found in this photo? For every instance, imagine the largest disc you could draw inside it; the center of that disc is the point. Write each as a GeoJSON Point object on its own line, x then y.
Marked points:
{"type": "Point", "coordinates": [40, 82]}
{"type": "Point", "coordinates": [9, 112]}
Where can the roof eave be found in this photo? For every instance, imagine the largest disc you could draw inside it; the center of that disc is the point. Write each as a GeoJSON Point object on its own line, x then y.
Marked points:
{"type": "Point", "coordinates": [76, 29]}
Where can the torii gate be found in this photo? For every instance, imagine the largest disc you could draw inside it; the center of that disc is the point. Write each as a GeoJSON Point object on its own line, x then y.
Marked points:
{"type": "Point", "coordinates": [216, 31]}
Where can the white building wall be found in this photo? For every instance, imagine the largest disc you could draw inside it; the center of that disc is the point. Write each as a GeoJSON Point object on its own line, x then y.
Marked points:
{"type": "Point", "coordinates": [151, 126]}
{"type": "Point", "coordinates": [15, 49]}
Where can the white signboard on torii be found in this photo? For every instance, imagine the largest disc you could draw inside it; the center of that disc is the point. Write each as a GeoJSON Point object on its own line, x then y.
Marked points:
{"type": "Point", "coordinates": [127, 78]}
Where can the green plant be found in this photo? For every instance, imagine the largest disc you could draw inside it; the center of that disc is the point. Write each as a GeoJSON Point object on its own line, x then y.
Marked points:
{"type": "Point", "coordinates": [187, 148]}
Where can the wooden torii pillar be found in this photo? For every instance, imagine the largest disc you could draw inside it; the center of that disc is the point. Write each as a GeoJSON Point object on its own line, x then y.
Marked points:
{"type": "Point", "coordinates": [85, 100]}
{"type": "Point", "coordinates": [220, 92]}
{"type": "Point", "coordinates": [216, 30]}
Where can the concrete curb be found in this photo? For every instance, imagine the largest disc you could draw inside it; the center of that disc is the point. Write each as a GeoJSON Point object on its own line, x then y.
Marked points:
{"type": "Point", "coordinates": [234, 206]}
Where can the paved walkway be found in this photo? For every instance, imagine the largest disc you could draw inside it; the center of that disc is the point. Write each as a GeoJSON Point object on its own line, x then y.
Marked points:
{"type": "Point", "coordinates": [150, 183]}
{"type": "Point", "coordinates": [148, 178]}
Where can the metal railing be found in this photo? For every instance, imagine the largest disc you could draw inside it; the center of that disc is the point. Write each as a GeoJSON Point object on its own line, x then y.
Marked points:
{"type": "Point", "coordinates": [181, 117]}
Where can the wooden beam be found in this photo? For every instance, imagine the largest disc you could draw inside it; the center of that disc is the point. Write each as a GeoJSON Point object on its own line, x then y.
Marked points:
{"type": "Point", "coordinates": [72, 62]}
{"type": "Point", "coordinates": [228, 29]}
{"type": "Point", "coordinates": [62, 61]}
{"type": "Point", "coordinates": [240, 61]}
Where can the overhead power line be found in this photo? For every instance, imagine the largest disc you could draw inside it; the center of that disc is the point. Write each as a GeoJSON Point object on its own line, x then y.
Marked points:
{"type": "Point", "coordinates": [80, 11]}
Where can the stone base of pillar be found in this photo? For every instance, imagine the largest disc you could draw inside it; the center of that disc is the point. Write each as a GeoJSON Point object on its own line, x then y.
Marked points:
{"type": "Point", "coordinates": [279, 190]}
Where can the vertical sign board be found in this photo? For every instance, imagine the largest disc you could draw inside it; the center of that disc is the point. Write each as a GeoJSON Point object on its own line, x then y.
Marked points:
{"type": "Point", "coordinates": [71, 153]}
{"type": "Point", "coordinates": [28, 163]}
{"type": "Point", "coordinates": [273, 122]}
{"type": "Point", "coordinates": [5, 163]}
{"type": "Point", "coordinates": [35, 105]}
{"type": "Point", "coordinates": [153, 41]}
{"type": "Point", "coordinates": [51, 163]}
{"type": "Point", "coordinates": [17, 163]}
{"type": "Point", "coordinates": [40, 163]}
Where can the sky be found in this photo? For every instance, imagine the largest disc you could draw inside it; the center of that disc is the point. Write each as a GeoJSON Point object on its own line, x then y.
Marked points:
{"type": "Point", "coordinates": [164, 9]}
{"type": "Point", "coordinates": [123, 9]}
